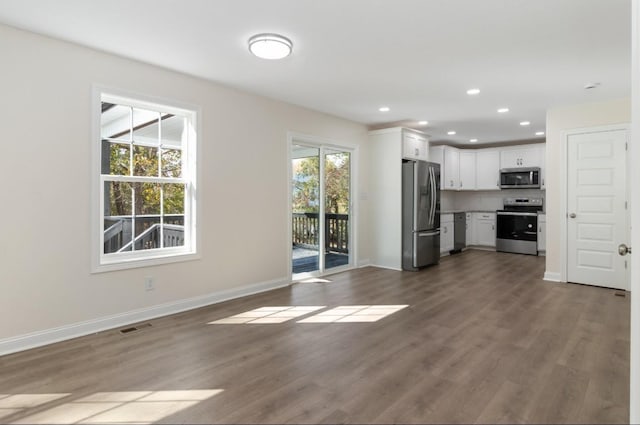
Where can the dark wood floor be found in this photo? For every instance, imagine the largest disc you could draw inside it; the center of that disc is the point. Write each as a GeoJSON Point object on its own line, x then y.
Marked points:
{"type": "Point", "coordinates": [483, 340]}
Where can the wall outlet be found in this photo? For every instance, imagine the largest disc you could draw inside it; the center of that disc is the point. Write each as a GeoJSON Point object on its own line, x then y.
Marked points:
{"type": "Point", "coordinates": [149, 284]}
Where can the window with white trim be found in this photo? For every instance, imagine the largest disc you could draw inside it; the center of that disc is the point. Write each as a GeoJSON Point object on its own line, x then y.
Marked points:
{"type": "Point", "coordinates": [147, 181]}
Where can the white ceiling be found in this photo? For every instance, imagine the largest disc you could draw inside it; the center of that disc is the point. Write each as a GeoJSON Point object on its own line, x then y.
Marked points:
{"type": "Point", "coordinates": [352, 56]}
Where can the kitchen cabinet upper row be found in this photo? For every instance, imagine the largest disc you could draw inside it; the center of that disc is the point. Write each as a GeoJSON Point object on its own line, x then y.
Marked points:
{"type": "Point", "coordinates": [479, 169]}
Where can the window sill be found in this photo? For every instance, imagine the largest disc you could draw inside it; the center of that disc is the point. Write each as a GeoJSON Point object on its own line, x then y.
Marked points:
{"type": "Point", "coordinates": [143, 262]}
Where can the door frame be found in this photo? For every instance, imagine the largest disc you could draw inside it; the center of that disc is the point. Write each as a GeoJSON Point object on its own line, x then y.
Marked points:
{"type": "Point", "coordinates": [322, 144]}
{"type": "Point", "coordinates": [565, 191]}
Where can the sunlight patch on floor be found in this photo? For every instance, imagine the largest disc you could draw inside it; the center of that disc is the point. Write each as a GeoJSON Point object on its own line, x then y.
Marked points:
{"type": "Point", "coordinates": [342, 314]}
{"type": "Point", "coordinates": [354, 314]}
{"type": "Point", "coordinates": [264, 315]}
{"type": "Point", "coordinates": [315, 280]}
{"type": "Point", "coordinates": [113, 407]}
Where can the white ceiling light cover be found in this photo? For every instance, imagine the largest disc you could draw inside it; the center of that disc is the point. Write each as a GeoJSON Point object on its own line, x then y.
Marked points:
{"type": "Point", "coordinates": [270, 46]}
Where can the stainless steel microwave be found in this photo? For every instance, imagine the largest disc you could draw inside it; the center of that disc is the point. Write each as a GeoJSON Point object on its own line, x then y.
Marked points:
{"type": "Point", "coordinates": [520, 178]}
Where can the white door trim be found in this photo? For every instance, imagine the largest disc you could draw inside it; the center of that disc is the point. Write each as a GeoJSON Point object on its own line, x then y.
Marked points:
{"type": "Point", "coordinates": [634, 188]}
{"type": "Point", "coordinates": [320, 142]}
{"type": "Point", "coordinates": [564, 223]}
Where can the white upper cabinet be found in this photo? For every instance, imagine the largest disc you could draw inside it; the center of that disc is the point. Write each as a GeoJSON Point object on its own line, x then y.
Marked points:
{"type": "Point", "coordinates": [467, 170]}
{"type": "Point", "coordinates": [488, 169]}
{"type": "Point", "coordinates": [449, 159]}
{"type": "Point", "coordinates": [521, 157]}
{"type": "Point", "coordinates": [451, 173]}
{"type": "Point", "coordinates": [414, 146]}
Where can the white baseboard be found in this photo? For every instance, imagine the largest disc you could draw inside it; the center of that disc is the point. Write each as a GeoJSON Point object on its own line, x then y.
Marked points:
{"type": "Point", "coordinates": [386, 267]}
{"type": "Point", "coordinates": [552, 277]}
{"type": "Point", "coordinates": [49, 336]}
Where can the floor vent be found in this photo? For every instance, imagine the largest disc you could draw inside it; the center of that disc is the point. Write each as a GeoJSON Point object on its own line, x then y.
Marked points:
{"type": "Point", "coordinates": [620, 294]}
{"type": "Point", "coordinates": [134, 328]}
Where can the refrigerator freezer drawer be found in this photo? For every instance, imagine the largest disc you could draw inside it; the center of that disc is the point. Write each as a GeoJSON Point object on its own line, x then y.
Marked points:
{"type": "Point", "coordinates": [426, 248]}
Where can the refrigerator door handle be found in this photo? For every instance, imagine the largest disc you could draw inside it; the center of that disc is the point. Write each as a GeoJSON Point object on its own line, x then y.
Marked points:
{"type": "Point", "coordinates": [433, 196]}
{"type": "Point", "coordinates": [425, 234]}
{"type": "Point", "coordinates": [416, 194]}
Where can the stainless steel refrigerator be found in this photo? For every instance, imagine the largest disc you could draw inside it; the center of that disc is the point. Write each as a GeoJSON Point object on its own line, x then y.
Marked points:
{"type": "Point", "coordinates": [420, 214]}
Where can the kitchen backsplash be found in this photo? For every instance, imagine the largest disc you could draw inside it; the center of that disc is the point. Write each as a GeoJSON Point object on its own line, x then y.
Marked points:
{"type": "Point", "coordinates": [484, 200]}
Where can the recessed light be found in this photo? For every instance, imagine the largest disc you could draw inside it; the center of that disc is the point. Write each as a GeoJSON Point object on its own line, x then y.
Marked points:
{"type": "Point", "coordinates": [539, 133]}
{"type": "Point", "coordinates": [503, 110]}
{"type": "Point", "coordinates": [423, 122]}
{"type": "Point", "coordinates": [524, 123]}
{"type": "Point", "coordinates": [384, 109]}
{"type": "Point", "coordinates": [473, 140]}
{"type": "Point", "coordinates": [473, 92]}
{"type": "Point", "coordinates": [451, 133]}
{"type": "Point", "coordinates": [270, 46]}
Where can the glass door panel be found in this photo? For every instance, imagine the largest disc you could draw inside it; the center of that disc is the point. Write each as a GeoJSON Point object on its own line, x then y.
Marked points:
{"type": "Point", "coordinates": [305, 204]}
{"type": "Point", "coordinates": [337, 194]}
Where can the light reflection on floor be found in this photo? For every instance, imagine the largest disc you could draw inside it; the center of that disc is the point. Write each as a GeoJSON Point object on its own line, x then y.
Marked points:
{"type": "Point", "coordinates": [354, 314]}
{"type": "Point", "coordinates": [268, 315]}
{"type": "Point", "coordinates": [113, 407]}
{"type": "Point", "coordinates": [342, 314]}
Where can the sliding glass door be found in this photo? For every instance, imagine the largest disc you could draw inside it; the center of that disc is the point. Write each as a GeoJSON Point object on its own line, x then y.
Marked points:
{"type": "Point", "coordinates": [320, 209]}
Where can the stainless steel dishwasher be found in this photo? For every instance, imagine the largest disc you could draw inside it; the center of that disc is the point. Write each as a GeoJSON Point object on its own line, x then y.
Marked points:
{"type": "Point", "coordinates": [459, 231]}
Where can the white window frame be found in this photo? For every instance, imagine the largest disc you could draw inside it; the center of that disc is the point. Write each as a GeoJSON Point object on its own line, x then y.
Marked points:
{"type": "Point", "coordinates": [143, 258]}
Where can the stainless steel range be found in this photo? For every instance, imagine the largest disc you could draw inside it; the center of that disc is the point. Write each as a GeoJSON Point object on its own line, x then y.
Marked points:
{"type": "Point", "coordinates": [517, 225]}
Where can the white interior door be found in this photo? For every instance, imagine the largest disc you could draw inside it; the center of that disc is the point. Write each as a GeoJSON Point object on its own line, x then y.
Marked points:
{"type": "Point", "coordinates": [596, 203]}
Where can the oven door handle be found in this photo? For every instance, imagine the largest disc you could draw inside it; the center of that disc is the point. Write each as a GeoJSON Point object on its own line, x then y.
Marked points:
{"type": "Point", "coordinates": [526, 214]}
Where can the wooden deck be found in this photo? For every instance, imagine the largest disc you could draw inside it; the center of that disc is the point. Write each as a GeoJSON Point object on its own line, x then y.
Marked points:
{"type": "Point", "coordinates": [308, 264]}
{"type": "Point", "coordinates": [482, 340]}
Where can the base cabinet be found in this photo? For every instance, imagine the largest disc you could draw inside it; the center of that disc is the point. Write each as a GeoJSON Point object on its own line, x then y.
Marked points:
{"type": "Point", "coordinates": [485, 229]}
{"type": "Point", "coordinates": [542, 233]}
{"type": "Point", "coordinates": [446, 233]}
{"type": "Point", "coordinates": [470, 234]}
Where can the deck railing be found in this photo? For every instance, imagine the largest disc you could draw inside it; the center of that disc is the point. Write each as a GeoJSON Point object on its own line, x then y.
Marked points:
{"type": "Point", "coordinates": [118, 234]}
{"type": "Point", "coordinates": [306, 227]}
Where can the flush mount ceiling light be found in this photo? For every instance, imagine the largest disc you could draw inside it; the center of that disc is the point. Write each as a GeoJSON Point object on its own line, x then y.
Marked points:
{"type": "Point", "coordinates": [473, 92]}
{"type": "Point", "coordinates": [503, 110]}
{"type": "Point", "coordinates": [539, 133]}
{"type": "Point", "coordinates": [473, 140]}
{"type": "Point", "coordinates": [270, 46]}
{"type": "Point", "coordinates": [525, 123]}
{"type": "Point", "coordinates": [423, 122]}
{"type": "Point", "coordinates": [384, 109]}
{"type": "Point", "coordinates": [451, 133]}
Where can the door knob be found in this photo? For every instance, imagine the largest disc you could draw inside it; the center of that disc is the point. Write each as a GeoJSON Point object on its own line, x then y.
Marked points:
{"type": "Point", "coordinates": [623, 249]}
{"type": "Point", "coordinates": [572, 215]}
